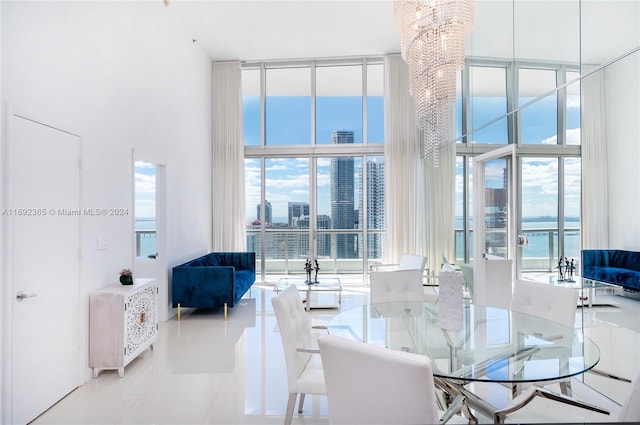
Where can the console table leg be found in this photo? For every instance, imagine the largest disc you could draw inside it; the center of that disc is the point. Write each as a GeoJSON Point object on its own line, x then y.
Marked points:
{"type": "Point", "coordinates": [121, 371]}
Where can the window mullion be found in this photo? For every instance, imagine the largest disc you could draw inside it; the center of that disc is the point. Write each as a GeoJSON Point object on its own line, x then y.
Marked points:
{"type": "Point", "coordinates": [263, 106]}
{"type": "Point", "coordinates": [365, 135]}
{"type": "Point", "coordinates": [313, 103]}
{"type": "Point", "coordinates": [561, 78]}
{"type": "Point", "coordinates": [513, 120]}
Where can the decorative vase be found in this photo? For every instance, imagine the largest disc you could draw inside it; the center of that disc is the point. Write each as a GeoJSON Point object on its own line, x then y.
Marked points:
{"type": "Point", "coordinates": [126, 279]}
{"type": "Point", "coordinates": [450, 303]}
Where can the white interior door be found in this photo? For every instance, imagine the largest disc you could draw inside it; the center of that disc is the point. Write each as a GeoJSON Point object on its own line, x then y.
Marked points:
{"type": "Point", "coordinates": [494, 226]}
{"type": "Point", "coordinates": [43, 240]}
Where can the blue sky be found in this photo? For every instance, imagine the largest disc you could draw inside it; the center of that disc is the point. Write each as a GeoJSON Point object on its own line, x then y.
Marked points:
{"type": "Point", "coordinates": [288, 122]}
{"type": "Point", "coordinates": [145, 188]}
{"type": "Point", "coordinates": [289, 119]}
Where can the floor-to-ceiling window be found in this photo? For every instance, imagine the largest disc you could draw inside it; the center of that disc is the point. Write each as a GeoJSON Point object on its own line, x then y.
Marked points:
{"type": "Point", "coordinates": [314, 164]}
{"type": "Point", "coordinates": [537, 107]}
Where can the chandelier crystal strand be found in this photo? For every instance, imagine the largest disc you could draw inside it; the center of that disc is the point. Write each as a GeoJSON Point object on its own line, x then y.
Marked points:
{"type": "Point", "coordinates": [432, 36]}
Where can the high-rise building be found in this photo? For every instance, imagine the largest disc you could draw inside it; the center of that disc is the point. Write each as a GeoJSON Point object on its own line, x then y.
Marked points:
{"type": "Point", "coordinates": [268, 219]}
{"type": "Point", "coordinates": [323, 249]}
{"type": "Point", "coordinates": [342, 194]}
{"type": "Point", "coordinates": [297, 209]}
{"type": "Point", "coordinates": [375, 205]}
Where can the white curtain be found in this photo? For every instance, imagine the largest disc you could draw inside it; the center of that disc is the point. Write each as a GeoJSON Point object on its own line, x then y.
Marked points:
{"type": "Point", "coordinates": [228, 209]}
{"type": "Point", "coordinates": [595, 218]}
{"type": "Point", "coordinates": [404, 176]}
{"type": "Point", "coordinates": [440, 206]}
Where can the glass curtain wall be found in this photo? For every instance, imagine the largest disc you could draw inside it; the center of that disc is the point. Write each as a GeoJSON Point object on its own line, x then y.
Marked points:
{"type": "Point", "coordinates": [517, 102]}
{"type": "Point", "coordinates": [314, 164]}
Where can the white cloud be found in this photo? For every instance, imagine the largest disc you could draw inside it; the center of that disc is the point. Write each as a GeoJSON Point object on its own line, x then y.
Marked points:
{"type": "Point", "coordinates": [142, 164]}
{"type": "Point", "coordinates": [553, 140]}
{"type": "Point", "coordinates": [323, 179]}
{"type": "Point", "coordinates": [573, 102]}
{"type": "Point", "coordinates": [573, 136]}
{"type": "Point", "coordinates": [145, 183]}
{"type": "Point", "coordinates": [539, 178]}
{"type": "Point", "coordinates": [276, 167]}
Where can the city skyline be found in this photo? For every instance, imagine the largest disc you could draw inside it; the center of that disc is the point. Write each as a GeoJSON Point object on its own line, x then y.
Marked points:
{"type": "Point", "coordinates": [346, 181]}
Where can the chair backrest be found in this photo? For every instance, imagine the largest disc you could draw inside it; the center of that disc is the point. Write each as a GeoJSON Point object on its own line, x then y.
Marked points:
{"type": "Point", "coordinates": [630, 411]}
{"type": "Point", "coordinates": [295, 332]}
{"type": "Point", "coordinates": [467, 275]}
{"type": "Point", "coordinates": [412, 262]}
{"type": "Point", "coordinates": [396, 285]}
{"type": "Point", "coordinates": [551, 302]}
{"type": "Point", "coordinates": [368, 384]}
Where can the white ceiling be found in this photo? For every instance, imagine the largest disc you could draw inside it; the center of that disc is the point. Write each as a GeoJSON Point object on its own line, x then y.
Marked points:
{"type": "Point", "coordinates": [273, 30]}
{"type": "Point", "coordinates": [294, 29]}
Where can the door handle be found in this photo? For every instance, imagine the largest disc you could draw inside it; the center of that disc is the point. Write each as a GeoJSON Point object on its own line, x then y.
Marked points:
{"type": "Point", "coordinates": [22, 295]}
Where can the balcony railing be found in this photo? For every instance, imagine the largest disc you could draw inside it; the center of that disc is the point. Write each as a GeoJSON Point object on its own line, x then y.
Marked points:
{"type": "Point", "coordinates": [541, 252]}
{"type": "Point", "coordinates": [338, 251]}
{"type": "Point", "coordinates": [146, 243]}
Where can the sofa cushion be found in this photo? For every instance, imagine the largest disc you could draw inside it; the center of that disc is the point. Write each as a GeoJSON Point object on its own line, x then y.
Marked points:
{"type": "Point", "coordinates": [617, 267]}
{"type": "Point", "coordinates": [197, 262]}
{"type": "Point", "coordinates": [626, 260]}
{"type": "Point", "coordinates": [210, 260]}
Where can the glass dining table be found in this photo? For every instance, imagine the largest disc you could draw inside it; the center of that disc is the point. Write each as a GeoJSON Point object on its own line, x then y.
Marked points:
{"type": "Point", "coordinates": [478, 344]}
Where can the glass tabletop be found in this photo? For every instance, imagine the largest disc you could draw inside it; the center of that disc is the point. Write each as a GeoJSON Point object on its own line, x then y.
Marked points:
{"type": "Point", "coordinates": [323, 284]}
{"type": "Point", "coordinates": [481, 344]}
{"type": "Point", "coordinates": [580, 283]}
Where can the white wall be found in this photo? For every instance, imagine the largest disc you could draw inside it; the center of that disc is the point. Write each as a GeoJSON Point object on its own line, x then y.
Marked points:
{"type": "Point", "coordinates": [622, 92]}
{"type": "Point", "coordinates": [3, 372]}
{"type": "Point", "coordinates": [122, 76]}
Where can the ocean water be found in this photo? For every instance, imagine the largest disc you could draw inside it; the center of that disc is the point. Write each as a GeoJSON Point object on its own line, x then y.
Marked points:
{"type": "Point", "coordinates": [536, 254]}
{"type": "Point", "coordinates": [147, 241]}
{"type": "Point", "coordinates": [540, 241]}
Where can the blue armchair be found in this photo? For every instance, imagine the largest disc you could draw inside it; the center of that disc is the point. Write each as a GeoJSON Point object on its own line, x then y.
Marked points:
{"type": "Point", "coordinates": [213, 280]}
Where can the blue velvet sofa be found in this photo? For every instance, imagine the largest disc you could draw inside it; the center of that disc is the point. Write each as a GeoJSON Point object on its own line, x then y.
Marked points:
{"type": "Point", "coordinates": [614, 266]}
{"type": "Point", "coordinates": [214, 279]}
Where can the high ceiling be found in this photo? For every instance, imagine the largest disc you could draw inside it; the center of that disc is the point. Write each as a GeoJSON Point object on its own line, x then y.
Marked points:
{"type": "Point", "coordinates": [259, 30]}
{"type": "Point", "coordinates": [294, 29]}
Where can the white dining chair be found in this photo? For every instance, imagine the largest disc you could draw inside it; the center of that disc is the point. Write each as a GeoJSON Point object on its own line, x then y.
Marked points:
{"type": "Point", "coordinates": [396, 285]}
{"type": "Point", "coordinates": [302, 360]}
{"type": "Point", "coordinates": [557, 303]}
{"type": "Point", "coordinates": [412, 262]}
{"type": "Point", "coordinates": [370, 385]}
{"type": "Point", "coordinates": [551, 302]}
{"type": "Point", "coordinates": [540, 405]}
{"type": "Point", "coordinates": [407, 262]}
{"type": "Point", "coordinates": [467, 275]}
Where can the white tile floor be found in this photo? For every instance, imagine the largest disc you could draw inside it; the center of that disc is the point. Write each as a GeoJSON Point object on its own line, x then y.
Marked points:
{"type": "Point", "coordinates": [204, 370]}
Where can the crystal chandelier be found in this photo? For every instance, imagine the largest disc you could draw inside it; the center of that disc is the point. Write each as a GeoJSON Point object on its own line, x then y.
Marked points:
{"type": "Point", "coordinates": [432, 34]}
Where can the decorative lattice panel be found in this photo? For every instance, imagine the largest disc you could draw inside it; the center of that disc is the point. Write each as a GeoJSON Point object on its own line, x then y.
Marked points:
{"type": "Point", "coordinates": [141, 319]}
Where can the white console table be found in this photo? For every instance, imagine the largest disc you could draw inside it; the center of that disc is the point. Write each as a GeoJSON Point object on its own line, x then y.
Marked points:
{"type": "Point", "coordinates": [123, 322]}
